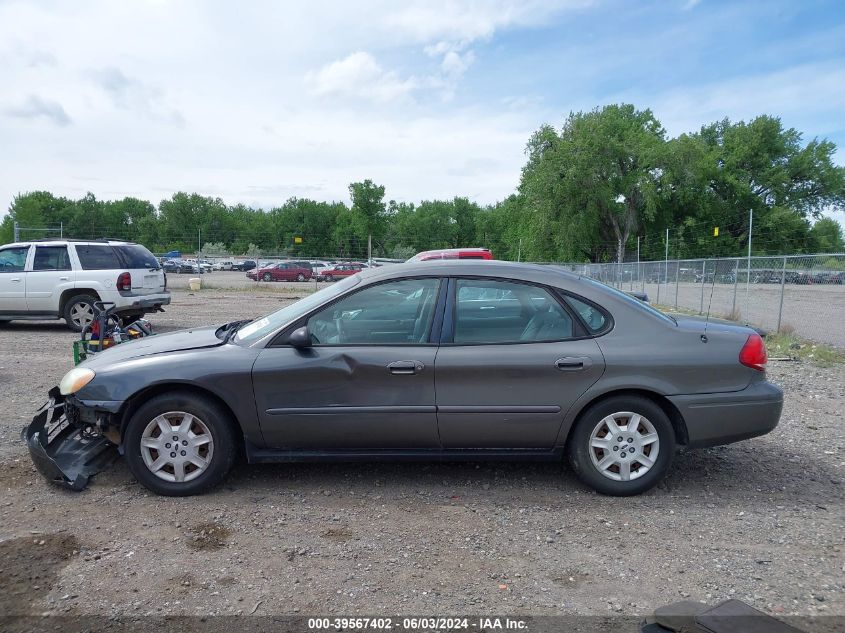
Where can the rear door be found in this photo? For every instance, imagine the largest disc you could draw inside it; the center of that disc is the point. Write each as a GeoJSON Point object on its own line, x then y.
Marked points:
{"type": "Point", "coordinates": [284, 272]}
{"type": "Point", "coordinates": [13, 261]}
{"type": "Point", "coordinates": [512, 361]}
{"type": "Point", "coordinates": [49, 275]}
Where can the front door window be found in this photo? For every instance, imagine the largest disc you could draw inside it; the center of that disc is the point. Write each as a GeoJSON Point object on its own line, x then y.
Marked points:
{"type": "Point", "coordinates": [395, 313]}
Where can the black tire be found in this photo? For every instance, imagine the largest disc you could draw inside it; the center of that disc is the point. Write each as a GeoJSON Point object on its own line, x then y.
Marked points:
{"type": "Point", "coordinates": [213, 416]}
{"type": "Point", "coordinates": [267, 277]}
{"type": "Point", "coordinates": [329, 278]}
{"type": "Point", "coordinates": [578, 446]}
{"type": "Point", "coordinates": [300, 277]}
{"type": "Point", "coordinates": [131, 318]}
{"type": "Point", "coordinates": [73, 305]}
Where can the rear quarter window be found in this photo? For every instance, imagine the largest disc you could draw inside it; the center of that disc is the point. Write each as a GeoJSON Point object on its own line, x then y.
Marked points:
{"type": "Point", "coordinates": [97, 257]}
{"type": "Point", "coordinates": [593, 318]}
{"type": "Point", "coordinates": [136, 256]}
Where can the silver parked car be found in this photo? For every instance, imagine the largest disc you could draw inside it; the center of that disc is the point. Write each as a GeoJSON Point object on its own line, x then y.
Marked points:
{"type": "Point", "coordinates": [436, 360]}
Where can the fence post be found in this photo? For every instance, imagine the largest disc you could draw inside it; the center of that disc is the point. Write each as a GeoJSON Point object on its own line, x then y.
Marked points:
{"type": "Point", "coordinates": [736, 283]}
{"type": "Point", "coordinates": [658, 284]}
{"type": "Point", "coordinates": [782, 290]}
{"type": "Point", "coordinates": [677, 280]}
{"type": "Point", "coordinates": [640, 273]}
{"type": "Point", "coordinates": [703, 282]}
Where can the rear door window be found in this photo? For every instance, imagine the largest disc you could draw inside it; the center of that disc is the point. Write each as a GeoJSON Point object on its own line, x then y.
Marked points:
{"type": "Point", "coordinates": [97, 257]}
{"type": "Point", "coordinates": [497, 312]}
{"type": "Point", "coordinates": [51, 258]}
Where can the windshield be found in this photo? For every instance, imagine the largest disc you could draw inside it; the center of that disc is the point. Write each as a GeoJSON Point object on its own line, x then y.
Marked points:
{"type": "Point", "coordinates": [633, 301]}
{"type": "Point", "coordinates": [265, 325]}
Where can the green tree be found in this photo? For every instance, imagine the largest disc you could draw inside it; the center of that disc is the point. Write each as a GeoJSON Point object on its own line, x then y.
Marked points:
{"type": "Point", "coordinates": [366, 218]}
{"type": "Point", "coordinates": [590, 186]}
{"type": "Point", "coordinates": [826, 236]}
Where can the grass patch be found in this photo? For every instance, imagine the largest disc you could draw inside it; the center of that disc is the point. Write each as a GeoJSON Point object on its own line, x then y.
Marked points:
{"type": "Point", "coordinates": [783, 344]}
{"type": "Point", "coordinates": [304, 289]}
{"type": "Point", "coordinates": [788, 345]}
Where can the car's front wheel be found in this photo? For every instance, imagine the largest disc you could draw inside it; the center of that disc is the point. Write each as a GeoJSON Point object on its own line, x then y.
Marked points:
{"type": "Point", "coordinates": [267, 277]}
{"type": "Point", "coordinates": [179, 444]}
{"type": "Point", "coordinates": [622, 446]}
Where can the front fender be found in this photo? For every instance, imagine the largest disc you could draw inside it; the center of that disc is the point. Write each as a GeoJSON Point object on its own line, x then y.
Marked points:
{"type": "Point", "coordinates": [224, 371]}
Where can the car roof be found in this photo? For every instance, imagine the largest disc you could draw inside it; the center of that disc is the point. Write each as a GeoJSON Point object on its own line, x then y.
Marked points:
{"type": "Point", "coordinates": [56, 241]}
{"type": "Point", "coordinates": [542, 273]}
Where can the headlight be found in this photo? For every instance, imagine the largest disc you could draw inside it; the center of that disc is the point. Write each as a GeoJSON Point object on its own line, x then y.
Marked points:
{"type": "Point", "coordinates": [75, 380]}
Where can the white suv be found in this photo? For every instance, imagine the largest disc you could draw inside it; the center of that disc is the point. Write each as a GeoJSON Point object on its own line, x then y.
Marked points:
{"type": "Point", "coordinates": [61, 279]}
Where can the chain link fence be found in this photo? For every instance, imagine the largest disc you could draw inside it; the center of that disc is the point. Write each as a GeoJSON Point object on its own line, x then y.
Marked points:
{"type": "Point", "coordinates": [804, 294]}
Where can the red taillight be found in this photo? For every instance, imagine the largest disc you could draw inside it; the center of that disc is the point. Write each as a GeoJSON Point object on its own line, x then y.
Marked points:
{"type": "Point", "coordinates": [753, 353]}
{"type": "Point", "coordinates": [124, 281]}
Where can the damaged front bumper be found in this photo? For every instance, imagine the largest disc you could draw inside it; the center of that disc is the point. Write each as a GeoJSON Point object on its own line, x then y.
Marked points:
{"type": "Point", "coordinates": [67, 452]}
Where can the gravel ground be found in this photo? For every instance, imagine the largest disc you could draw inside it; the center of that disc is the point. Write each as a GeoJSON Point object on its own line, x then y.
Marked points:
{"type": "Point", "coordinates": [761, 521]}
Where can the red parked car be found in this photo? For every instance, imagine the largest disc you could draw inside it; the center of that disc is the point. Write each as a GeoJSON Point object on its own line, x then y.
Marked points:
{"type": "Point", "coordinates": [286, 271]}
{"type": "Point", "coordinates": [342, 270]}
{"type": "Point", "coordinates": [453, 253]}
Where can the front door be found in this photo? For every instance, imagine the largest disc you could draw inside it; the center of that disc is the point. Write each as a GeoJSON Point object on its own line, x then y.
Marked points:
{"type": "Point", "coordinates": [366, 383]}
{"type": "Point", "coordinates": [13, 279]}
{"type": "Point", "coordinates": [512, 366]}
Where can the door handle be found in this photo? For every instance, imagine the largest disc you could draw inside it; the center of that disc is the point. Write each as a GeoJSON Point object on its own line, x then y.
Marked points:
{"type": "Point", "coordinates": [405, 367]}
{"type": "Point", "coordinates": [572, 363]}
{"type": "Point", "coordinates": [63, 278]}
{"type": "Point", "coordinates": [15, 280]}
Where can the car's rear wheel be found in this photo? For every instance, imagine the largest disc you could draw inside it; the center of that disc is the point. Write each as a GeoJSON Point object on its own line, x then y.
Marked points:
{"type": "Point", "coordinates": [300, 277]}
{"type": "Point", "coordinates": [267, 277]}
{"type": "Point", "coordinates": [329, 278]}
{"type": "Point", "coordinates": [79, 312]}
{"type": "Point", "coordinates": [180, 444]}
{"type": "Point", "coordinates": [622, 446]}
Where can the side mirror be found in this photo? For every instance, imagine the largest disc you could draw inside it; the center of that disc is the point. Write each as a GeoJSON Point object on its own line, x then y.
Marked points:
{"type": "Point", "coordinates": [300, 337]}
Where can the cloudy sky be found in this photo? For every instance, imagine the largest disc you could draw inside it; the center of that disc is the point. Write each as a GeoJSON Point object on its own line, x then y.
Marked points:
{"type": "Point", "coordinates": [259, 101]}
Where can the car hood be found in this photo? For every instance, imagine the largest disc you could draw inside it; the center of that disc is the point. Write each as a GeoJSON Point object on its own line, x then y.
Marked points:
{"type": "Point", "coordinates": [158, 344]}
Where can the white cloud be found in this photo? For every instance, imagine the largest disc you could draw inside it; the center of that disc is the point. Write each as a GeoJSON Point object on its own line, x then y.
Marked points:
{"type": "Point", "coordinates": [449, 20]}
{"type": "Point", "coordinates": [360, 75]}
{"type": "Point", "coordinates": [34, 107]}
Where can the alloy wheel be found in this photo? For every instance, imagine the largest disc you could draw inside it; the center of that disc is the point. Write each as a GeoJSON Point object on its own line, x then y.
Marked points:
{"type": "Point", "coordinates": [81, 314]}
{"type": "Point", "coordinates": [624, 446]}
{"type": "Point", "coordinates": [177, 446]}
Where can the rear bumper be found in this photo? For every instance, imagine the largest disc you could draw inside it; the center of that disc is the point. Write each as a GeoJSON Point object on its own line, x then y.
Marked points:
{"type": "Point", "coordinates": [144, 302]}
{"type": "Point", "coordinates": [713, 419]}
{"type": "Point", "coordinates": [61, 450]}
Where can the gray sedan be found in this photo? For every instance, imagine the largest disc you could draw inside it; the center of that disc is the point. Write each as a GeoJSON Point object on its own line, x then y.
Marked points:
{"type": "Point", "coordinates": [445, 360]}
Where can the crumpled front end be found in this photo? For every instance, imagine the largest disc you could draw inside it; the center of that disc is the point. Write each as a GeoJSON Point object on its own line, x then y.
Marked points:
{"type": "Point", "coordinates": [65, 450]}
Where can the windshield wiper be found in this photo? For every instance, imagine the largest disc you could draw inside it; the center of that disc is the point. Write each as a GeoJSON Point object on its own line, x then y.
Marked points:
{"type": "Point", "coordinates": [231, 328]}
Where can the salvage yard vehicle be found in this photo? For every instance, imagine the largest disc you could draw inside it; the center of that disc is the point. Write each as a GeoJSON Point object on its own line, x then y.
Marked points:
{"type": "Point", "coordinates": [61, 279]}
{"type": "Point", "coordinates": [247, 264]}
{"type": "Point", "coordinates": [339, 271]}
{"type": "Point", "coordinates": [452, 253]}
{"type": "Point", "coordinates": [530, 362]}
{"type": "Point", "coordinates": [285, 271]}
